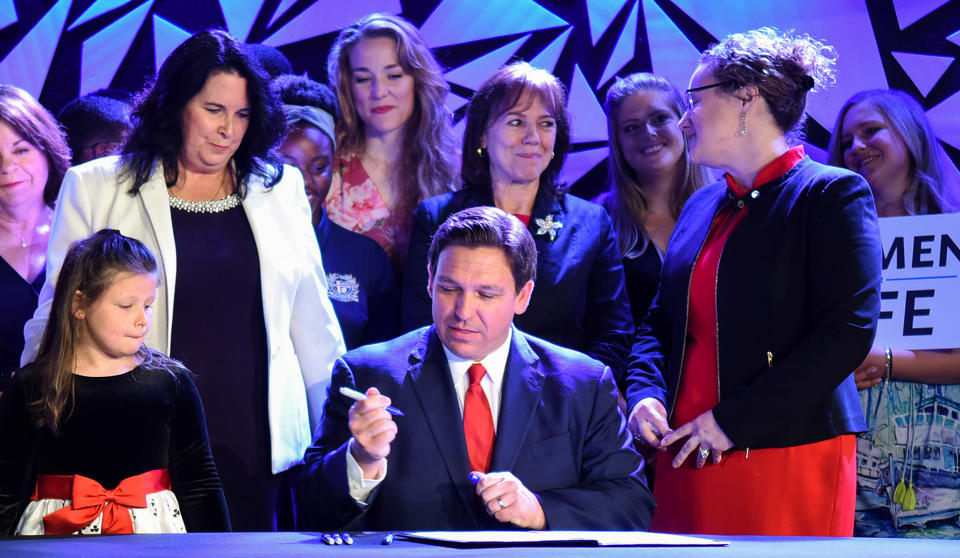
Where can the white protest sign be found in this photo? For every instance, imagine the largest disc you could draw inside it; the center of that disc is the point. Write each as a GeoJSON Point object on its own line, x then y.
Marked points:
{"type": "Point", "coordinates": [920, 293]}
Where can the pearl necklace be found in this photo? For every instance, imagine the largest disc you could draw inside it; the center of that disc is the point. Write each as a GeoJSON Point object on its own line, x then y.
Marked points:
{"type": "Point", "coordinates": [216, 206]}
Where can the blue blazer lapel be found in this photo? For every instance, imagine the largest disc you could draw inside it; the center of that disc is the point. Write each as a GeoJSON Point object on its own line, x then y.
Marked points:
{"type": "Point", "coordinates": [520, 395]}
{"type": "Point", "coordinates": [430, 378]}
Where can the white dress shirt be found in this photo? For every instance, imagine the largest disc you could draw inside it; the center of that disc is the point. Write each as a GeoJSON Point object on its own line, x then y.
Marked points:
{"type": "Point", "coordinates": [495, 364]}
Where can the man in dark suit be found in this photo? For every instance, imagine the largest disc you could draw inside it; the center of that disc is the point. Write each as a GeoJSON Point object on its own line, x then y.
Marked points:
{"type": "Point", "coordinates": [534, 425]}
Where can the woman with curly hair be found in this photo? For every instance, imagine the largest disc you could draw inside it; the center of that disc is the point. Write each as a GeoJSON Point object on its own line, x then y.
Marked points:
{"type": "Point", "coordinates": [243, 302]}
{"type": "Point", "coordinates": [395, 146]}
{"type": "Point", "coordinates": [768, 299]}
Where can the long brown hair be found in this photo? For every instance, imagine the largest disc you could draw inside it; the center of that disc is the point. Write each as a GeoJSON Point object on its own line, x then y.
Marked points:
{"type": "Point", "coordinates": [429, 166]}
{"type": "Point", "coordinates": [927, 193]}
{"type": "Point", "coordinates": [625, 200]}
{"type": "Point", "coordinates": [89, 268]}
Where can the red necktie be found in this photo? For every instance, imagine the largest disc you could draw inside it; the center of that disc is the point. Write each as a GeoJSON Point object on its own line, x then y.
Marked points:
{"type": "Point", "coordinates": [478, 421]}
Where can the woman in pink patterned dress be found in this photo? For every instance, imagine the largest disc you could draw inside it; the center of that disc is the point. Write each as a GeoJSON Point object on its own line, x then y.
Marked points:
{"type": "Point", "coordinates": [395, 143]}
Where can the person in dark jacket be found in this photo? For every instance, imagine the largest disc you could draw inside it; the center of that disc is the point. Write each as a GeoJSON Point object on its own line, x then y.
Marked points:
{"type": "Point", "coordinates": [768, 300]}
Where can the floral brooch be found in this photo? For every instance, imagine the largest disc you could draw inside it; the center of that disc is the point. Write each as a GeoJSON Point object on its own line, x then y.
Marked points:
{"type": "Point", "coordinates": [548, 227]}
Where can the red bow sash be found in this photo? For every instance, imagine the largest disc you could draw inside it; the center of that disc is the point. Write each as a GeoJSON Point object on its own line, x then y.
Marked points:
{"type": "Point", "coordinates": [89, 499]}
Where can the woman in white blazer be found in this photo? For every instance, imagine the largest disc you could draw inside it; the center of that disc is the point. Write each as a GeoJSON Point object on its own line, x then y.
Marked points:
{"type": "Point", "coordinates": [243, 301]}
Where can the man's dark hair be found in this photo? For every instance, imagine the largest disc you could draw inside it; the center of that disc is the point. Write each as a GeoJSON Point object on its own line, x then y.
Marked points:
{"type": "Point", "coordinates": [91, 118]}
{"type": "Point", "coordinates": [485, 226]}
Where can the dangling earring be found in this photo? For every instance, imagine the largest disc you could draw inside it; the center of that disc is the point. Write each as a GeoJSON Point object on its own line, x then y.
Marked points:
{"type": "Point", "coordinates": [742, 130]}
{"type": "Point", "coordinates": [480, 151]}
{"type": "Point", "coordinates": [79, 315]}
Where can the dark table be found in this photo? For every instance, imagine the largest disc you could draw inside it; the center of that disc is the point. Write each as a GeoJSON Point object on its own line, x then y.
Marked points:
{"type": "Point", "coordinates": [208, 545]}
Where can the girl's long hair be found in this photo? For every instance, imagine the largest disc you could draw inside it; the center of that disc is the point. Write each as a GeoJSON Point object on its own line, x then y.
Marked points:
{"type": "Point", "coordinates": [89, 268]}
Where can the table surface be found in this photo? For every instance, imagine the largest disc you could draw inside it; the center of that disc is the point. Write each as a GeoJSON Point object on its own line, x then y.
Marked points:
{"type": "Point", "coordinates": [209, 545]}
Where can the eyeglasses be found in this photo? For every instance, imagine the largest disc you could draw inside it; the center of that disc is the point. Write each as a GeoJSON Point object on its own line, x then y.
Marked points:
{"type": "Point", "coordinates": [704, 88]}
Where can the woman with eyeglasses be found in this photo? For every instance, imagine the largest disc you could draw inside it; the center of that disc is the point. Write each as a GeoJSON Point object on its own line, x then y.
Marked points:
{"type": "Point", "coordinates": [768, 299]}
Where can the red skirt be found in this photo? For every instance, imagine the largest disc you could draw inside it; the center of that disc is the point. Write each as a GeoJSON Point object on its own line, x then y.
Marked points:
{"type": "Point", "coordinates": [807, 490]}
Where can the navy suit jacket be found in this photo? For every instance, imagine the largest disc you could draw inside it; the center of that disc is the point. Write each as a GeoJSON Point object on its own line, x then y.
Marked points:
{"type": "Point", "coordinates": [559, 431]}
{"type": "Point", "coordinates": [580, 297]}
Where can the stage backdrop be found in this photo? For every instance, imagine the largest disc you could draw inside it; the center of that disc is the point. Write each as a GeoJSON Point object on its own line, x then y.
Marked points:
{"type": "Point", "coordinates": [59, 49]}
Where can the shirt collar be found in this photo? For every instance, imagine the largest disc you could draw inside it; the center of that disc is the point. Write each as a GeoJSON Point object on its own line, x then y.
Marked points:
{"type": "Point", "coordinates": [775, 169]}
{"type": "Point", "coordinates": [495, 363]}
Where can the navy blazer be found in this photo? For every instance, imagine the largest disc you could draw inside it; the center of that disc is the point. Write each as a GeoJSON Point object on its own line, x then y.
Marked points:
{"type": "Point", "coordinates": [798, 297]}
{"type": "Point", "coordinates": [579, 297]}
{"type": "Point", "coordinates": [361, 284]}
{"type": "Point", "coordinates": [559, 432]}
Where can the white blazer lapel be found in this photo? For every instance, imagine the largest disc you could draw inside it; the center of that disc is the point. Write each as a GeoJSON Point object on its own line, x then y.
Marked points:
{"type": "Point", "coordinates": [156, 203]}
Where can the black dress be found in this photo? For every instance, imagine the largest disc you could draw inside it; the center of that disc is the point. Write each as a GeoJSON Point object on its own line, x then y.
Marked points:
{"type": "Point", "coordinates": [220, 334]}
{"type": "Point", "coordinates": [642, 272]}
{"type": "Point", "coordinates": [18, 300]}
{"type": "Point", "coordinates": [118, 427]}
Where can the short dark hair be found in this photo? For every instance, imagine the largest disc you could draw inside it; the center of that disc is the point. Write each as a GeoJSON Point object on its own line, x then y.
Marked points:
{"type": "Point", "coordinates": [501, 92]}
{"type": "Point", "coordinates": [274, 62]}
{"type": "Point", "coordinates": [36, 125]}
{"type": "Point", "coordinates": [300, 90]}
{"type": "Point", "coordinates": [93, 117]}
{"type": "Point", "coordinates": [158, 117]}
{"type": "Point", "coordinates": [485, 226]}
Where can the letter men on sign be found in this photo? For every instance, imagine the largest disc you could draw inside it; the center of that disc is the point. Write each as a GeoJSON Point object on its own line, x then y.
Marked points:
{"type": "Point", "coordinates": [921, 282]}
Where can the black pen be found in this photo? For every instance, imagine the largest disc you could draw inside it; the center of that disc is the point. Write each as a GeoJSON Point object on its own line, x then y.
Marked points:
{"type": "Point", "coordinates": [387, 539]}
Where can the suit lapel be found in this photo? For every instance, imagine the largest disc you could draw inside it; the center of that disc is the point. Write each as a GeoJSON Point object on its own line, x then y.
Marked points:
{"type": "Point", "coordinates": [520, 395]}
{"type": "Point", "coordinates": [430, 378]}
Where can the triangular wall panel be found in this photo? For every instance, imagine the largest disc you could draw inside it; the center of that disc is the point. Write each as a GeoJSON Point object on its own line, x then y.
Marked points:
{"type": "Point", "coordinates": [28, 63]}
{"type": "Point", "coordinates": [625, 49]}
{"type": "Point", "coordinates": [909, 11]}
{"type": "Point", "coordinates": [96, 10]}
{"type": "Point", "coordinates": [600, 13]}
{"type": "Point", "coordinates": [945, 118]}
{"type": "Point", "coordinates": [319, 19]}
{"type": "Point", "coordinates": [548, 57]}
{"type": "Point", "coordinates": [588, 123]}
{"type": "Point", "coordinates": [954, 37]}
{"type": "Point", "coordinates": [475, 72]}
{"type": "Point", "coordinates": [8, 13]}
{"type": "Point", "coordinates": [924, 69]}
{"type": "Point", "coordinates": [455, 22]}
{"type": "Point", "coordinates": [281, 9]}
{"type": "Point", "coordinates": [103, 53]}
{"type": "Point", "coordinates": [580, 163]}
{"type": "Point", "coordinates": [240, 15]}
{"type": "Point", "coordinates": [166, 37]}
{"type": "Point", "coordinates": [672, 55]}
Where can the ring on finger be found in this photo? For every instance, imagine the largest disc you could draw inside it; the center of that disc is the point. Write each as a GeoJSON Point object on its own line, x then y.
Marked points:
{"type": "Point", "coordinates": [500, 502]}
{"type": "Point", "coordinates": [703, 453]}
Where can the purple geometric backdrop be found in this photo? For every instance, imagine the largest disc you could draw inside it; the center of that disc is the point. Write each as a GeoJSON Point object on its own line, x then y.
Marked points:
{"type": "Point", "coordinates": [58, 49]}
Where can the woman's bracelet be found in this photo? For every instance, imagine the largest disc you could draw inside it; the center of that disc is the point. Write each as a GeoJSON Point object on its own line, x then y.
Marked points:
{"type": "Point", "coordinates": [888, 364]}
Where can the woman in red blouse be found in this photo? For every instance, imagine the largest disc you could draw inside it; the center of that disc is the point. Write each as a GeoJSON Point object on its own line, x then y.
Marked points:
{"type": "Point", "coordinates": [768, 300]}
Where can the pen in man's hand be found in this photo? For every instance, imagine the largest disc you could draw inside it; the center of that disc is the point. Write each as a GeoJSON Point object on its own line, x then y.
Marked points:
{"type": "Point", "coordinates": [357, 396]}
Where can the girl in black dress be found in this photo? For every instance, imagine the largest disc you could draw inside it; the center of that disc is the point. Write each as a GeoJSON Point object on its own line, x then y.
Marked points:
{"type": "Point", "coordinates": [106, 434]}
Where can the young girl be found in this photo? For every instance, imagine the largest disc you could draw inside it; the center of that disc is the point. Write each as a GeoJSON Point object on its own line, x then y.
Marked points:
{"type": "Point", "coordinates": [101, 434]}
